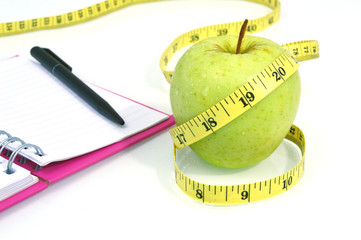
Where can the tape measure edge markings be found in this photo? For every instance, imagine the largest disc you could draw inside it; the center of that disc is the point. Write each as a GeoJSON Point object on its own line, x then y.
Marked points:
{"type": "Point", "coordinates": [286, 180]}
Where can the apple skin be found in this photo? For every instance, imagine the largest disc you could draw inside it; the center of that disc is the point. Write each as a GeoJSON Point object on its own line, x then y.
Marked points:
{"type": "Point", "coordinates": [210, 71]}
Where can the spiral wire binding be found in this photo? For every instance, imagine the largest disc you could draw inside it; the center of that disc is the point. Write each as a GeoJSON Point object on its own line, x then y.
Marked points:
{"type": "Point", "coordinates": [39, 152]}
{"type": "Point", "coordinates": [8, 135]}
{"type": "Point", "coordinates": [8, 140]}
{"type": "Point", "coordinates": [4, 133]}
{"type": "Point", "coordinates": [14, 154]}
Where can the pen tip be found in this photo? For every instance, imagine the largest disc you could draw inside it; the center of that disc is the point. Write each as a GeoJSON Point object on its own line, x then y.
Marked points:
{"type": "Point", "coordinates": [118, 119]}
{"type": "Point", "coordinates": [121, 122]}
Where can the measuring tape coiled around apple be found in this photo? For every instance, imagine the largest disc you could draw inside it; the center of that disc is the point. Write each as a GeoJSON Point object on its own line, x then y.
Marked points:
{"type": "Point", "coordinates": [236, 103]}
{"type": "Point", "coordinates": [224, 112]}
{"type": "Point", "coordinates": [249, 192]}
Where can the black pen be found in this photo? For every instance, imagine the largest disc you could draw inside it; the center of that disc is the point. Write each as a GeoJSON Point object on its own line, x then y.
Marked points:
{"type": "Point", "coordinates": [62, 71]}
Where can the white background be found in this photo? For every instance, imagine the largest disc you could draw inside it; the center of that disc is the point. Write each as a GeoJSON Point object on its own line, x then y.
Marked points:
{"type": "Point", "coordinates": [132, 194]}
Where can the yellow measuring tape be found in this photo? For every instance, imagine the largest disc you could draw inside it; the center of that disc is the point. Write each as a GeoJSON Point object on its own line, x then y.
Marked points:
{"type": "Point", "coordinates": [224, 111]}
{"type": "Point", "coordinates": [249, 192]}
{"type": "Point", "coordinates": [231, 107]}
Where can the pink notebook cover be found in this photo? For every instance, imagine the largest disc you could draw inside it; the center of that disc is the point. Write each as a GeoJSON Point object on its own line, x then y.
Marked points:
{"type": "Point", "coordinates": [59, 170]}
{"type": "Point", "coordinates": [30, 191]}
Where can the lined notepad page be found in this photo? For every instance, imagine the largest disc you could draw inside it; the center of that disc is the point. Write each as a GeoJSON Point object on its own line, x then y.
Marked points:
{"type": "Point", "coordinates": [36, 107]}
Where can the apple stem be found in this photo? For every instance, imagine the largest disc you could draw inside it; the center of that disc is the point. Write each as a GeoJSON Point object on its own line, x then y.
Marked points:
{"type": "Point", "coordinates": [241, 35]}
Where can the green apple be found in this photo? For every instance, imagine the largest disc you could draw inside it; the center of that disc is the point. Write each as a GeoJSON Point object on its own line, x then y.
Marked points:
{"type": "Point", "coordinates": [211, 70]}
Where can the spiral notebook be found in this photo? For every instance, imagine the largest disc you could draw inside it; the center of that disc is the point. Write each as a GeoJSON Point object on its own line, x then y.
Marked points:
{"type": "Point", "coordinates": [48, 133]}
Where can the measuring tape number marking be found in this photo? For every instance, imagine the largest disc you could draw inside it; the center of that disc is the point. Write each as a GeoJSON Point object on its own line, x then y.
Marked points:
{"type": "Point", "coordinates": [236, 103]}
{"type": "Point", "coordinates": [244, 193]}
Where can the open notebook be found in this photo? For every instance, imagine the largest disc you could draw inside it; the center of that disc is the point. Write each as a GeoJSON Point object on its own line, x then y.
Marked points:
{"type": "Point", "coordinates": [38, 109]}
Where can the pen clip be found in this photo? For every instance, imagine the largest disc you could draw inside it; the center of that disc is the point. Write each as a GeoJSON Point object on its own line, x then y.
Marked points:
{"type": "Point", "coordinates": [57, 58]}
